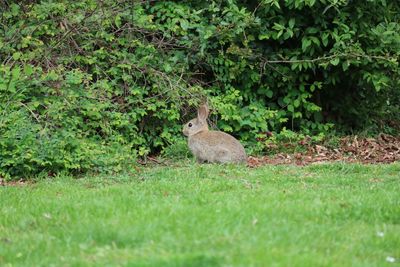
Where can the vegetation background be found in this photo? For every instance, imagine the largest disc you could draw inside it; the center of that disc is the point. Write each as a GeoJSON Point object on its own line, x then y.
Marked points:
{"type": "Point", "coordinates": [91, 85]}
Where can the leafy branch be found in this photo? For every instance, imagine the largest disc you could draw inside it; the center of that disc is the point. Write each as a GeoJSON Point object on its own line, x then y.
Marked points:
{"type": "Point", "coordinates": [329, 58]}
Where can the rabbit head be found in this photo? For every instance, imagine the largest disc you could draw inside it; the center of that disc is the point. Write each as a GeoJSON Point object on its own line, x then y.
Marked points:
{"type": "Point", "coordinates": [198, 124]}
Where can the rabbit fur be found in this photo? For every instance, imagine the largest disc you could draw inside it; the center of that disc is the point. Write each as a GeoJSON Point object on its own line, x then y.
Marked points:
{"type": "Point", "coordinates": [212, 146]}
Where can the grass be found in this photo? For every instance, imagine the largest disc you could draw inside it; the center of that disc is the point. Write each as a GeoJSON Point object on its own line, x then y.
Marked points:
{"type": "Point", "coordinates": [207, 215]}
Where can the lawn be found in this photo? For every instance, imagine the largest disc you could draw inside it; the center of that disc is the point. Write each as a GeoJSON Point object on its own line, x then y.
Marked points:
{"type": "Point", "coordinates": [207, 215]}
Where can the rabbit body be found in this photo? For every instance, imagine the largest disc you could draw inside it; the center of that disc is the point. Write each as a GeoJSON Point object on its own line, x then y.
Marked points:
{"type": "Point", "coordinates": [216, 146]}
{"type": "Point", "coordinates": [212, 146]}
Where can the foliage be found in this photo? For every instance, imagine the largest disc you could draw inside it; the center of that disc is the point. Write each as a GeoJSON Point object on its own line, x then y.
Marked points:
{"type": "Point", "coordinates": [80, 79]}
{"type": "Point", "coordinates": [177, 150]}
{"type": "Point", "coordinates": [207, 215]}
{"type": "Point", "coordinates": [288, 141]}
{"type": "Point", "coordinates": [53, 141]}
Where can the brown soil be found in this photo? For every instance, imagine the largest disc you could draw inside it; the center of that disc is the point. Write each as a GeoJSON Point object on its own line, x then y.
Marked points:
{"type": "Point", "coordinates": [383, 149]}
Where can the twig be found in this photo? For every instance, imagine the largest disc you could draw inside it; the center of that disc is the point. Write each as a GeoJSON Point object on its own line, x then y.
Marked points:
{"type": "Point", "coordinates": [73, 28]}
{"type": "Point", "coordinates": [33, 114]}
{"type": "Point", "coordinates": [326, 58]}
{"type": "Point", "coordinates": [257, 7]}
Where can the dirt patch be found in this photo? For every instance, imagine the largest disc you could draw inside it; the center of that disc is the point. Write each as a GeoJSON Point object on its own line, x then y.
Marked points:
{"type": "Point", "coordinates": [20, 182]}
{"type": "Point", "coordinates": [383, 149]}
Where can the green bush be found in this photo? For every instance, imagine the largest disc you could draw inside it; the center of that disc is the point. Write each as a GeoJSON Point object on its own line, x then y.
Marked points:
{"type": "Point", "coordinates": [92, 84]}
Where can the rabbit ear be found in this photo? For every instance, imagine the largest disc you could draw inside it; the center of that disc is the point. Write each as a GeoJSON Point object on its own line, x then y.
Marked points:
{"type": "Point", "coordinates": [202, 112]}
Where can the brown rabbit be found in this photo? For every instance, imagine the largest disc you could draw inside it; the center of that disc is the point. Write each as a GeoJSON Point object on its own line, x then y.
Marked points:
{"type": "Point", "coordinates": [212, 146]}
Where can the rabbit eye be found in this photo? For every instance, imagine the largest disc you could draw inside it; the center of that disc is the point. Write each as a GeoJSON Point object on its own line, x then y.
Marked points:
{"type": "Point", "coordinates": [190, 124]}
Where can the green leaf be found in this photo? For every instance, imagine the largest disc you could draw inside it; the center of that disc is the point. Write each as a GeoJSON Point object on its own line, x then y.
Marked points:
{"type": "Point", "coordinates": [305, 44]}
{"type": "Point", "coordinates": [286, 100]}
{"type": "Point", "coordinates": [16, 55]}
{"type": "Point", "coordinates": [335, 61]}
{"type": "Point", "coordinates": [74, 77]}
{"type": "Point", "coordinates": [278, 27]}
{"type": "Point", "coordinates": [311, 2]}
{"type": "Point", "coordinates": [291, 23]}
{"type": "Point", "coordinates": [325, 39]}
{"type": "Point", "coordinates": [264, 36]}
{"type": "Point", "coordinates": [117, 21]}
{"type": "Point", "coordinates": [184, 24]}
{"type": "Point", "coordinates": [345, 65]}
{"type": "Point", "coordinates": [28, 69]}
{"type": "Point", "coordinates": [167, 67]}
{"type": "Point", "coordinates": [16, 72]}
{"type": "Point", "coordinates": [289, 33]}
{"type": "Point", "coordinates": [312, 30]}
{"type": "Point", "coordinates": [315, 40]}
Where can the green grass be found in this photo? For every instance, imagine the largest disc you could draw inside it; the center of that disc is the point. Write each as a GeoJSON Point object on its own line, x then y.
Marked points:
{"type": "Point", "coordinates": [207, 215]}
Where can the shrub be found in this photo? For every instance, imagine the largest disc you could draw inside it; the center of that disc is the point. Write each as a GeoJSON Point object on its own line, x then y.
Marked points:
{"type": "Point", "coordinates": [94, 83]}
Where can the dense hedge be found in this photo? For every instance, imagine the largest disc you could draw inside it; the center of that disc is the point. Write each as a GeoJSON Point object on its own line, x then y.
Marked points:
{"type": "Point", "coordinates": [92, 84]}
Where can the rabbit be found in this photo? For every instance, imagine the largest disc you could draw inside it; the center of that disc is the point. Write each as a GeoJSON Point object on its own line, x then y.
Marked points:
{"type": "Point", "coordinates": [212, 146]}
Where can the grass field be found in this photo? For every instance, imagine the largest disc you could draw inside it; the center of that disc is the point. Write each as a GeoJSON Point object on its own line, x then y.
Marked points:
{"type": "Point", "coordinates": [207, 215]}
